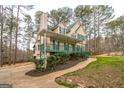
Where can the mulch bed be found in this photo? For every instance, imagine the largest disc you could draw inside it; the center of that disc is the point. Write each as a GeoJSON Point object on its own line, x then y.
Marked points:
{"type": "Point", "coordinates": [59, 67]}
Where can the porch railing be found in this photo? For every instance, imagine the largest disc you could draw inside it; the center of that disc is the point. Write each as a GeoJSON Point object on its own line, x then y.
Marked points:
{"type": "Point", "coordinates": [61, 48]}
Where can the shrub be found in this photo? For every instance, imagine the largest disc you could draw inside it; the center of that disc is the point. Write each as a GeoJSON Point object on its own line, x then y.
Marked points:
{"type": "Point", "coordinates": [38, 63]}
{"type": "Point", "coordinates": [52, 61]}
{"type": "Point", "coordinates": [74, 55]}
{"type": "Point", "coordinates": [63, 57]}
{"type": "Point", "coordinates": [85, 54]}
{"type": "Point", "coordinates": [57, 55]}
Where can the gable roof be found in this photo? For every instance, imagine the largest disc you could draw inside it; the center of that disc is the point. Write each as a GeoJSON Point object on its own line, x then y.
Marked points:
{"type": "Point", "coordinates": [73, 24]}
{"type": "Point", "coordinates": [70, 26]}
{"type": "Point", "coordinates": [68, 29]}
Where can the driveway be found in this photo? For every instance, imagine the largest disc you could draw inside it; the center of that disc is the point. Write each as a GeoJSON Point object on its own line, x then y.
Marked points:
{"type": "Point", "coordinates": [16, 75]}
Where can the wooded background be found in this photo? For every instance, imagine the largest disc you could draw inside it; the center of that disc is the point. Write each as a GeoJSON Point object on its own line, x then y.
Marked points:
{"type": "Point", "coordinates": [104, 33]}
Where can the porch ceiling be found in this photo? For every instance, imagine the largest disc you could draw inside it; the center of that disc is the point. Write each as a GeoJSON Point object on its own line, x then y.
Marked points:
{"type": "Point", "coordinates": [62, 37]}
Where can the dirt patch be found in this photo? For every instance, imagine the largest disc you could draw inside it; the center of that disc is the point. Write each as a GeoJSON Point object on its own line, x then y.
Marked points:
{"type": "Point", "coordinates": [6, 66]}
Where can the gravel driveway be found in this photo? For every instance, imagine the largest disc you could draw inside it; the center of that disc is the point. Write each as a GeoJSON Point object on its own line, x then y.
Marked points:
{"type": "Point", "coordinates": [15, 75]}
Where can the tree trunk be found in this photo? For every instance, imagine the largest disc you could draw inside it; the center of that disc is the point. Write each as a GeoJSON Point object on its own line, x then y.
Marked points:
{"type": "Point", "coordinates": [94, 28]}
{"type": "Point", "coordinates": [122, 41]}
{"type": "Point", "coordinates": [11, 28]}
{"type": "Point", "coordinates": [16, 39]}
{"type": "Point", "coordinates": [98, 40]}
{"type": "Point", "coordinates": [1, 46]}
{"type": "Point", "coordinates": [29, 40]}
{"type": "Point", "coordinates": [89, 43]}
{"type": "Point", "coordinates": [116, 40]}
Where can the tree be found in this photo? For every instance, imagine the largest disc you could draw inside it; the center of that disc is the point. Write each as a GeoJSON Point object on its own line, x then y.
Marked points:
{"type": "Point", "coordinates": [18, 9]}
{"type": "Point", "coordinates": [17, 27]}
{"type": "Point", "coordinates": [11, 25]}
{"type": "Point", "coordinates": [84, 13]}
{"type": "Point", "coordinates": [10, 32]}
{"type": "Point", "coordinates": [1, 47]}
{"type": "Point", "coordinates": [62, 14]}
{"type": "Point", "coordinates": [104, 14]}
{"type": "Point", "coordinates": [121, 27]}
{"type": "Point", "coordinates": [93, 19]}
{"type": "Point", "coordinates": [37, 19]}
{"type": "Point", "coordinates": [28, 32]}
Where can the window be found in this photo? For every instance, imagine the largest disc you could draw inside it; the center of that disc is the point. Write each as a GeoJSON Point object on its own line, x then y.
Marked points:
{"type": "Point", "coordinates": [38, 47]}
{"type": "Point", "coordinates": [81, 37]}
{"type": "Point", "coordinates": [55, 45]}
{"type": "Point", "coordinates": [78, 48]}
{"type": "Point", "coordinates": [73, 47]}
{"type": "Point", "coordinates": [42, 47]}
{"type": "Point", "coordinates": [58, 45]}
{"type": "Point", "coordinates": [66, 46]}
{"type": "Point", "coordinates": [61, 30]}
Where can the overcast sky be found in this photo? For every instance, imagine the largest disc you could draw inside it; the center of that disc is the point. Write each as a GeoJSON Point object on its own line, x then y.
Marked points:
{"type": "Point", "coordinates": [47, 5]}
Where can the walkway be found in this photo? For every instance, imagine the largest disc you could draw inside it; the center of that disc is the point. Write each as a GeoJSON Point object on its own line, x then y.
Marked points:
{"type": "Point", "coordinates": [17, 76]}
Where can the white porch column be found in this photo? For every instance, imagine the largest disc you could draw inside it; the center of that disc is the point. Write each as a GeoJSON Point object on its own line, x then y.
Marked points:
{"type": "Point", "coordinates": [40, 46]}
{"type": "Point", "coordinates": [45, 54]}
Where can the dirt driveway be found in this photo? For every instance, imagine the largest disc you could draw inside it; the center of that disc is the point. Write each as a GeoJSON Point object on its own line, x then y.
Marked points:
{"type": "Point", "coordinates": [17, 77]}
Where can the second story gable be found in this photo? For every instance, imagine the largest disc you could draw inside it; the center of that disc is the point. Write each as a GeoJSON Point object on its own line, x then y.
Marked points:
{"type": "Point", "coordinates": [60, 28]}
{"type": "Point", "coordinates": [76, 30]}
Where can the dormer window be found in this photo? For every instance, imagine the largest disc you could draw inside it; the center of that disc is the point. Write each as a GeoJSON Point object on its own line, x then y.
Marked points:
{"type": "Point", "coordinates": [61, 30]}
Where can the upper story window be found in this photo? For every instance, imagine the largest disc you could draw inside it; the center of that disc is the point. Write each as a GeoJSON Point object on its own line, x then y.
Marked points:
{"type": "Point", "coordinates": [81, 37]}
{"type": "Point", "coordinates": [62, 30]}
{"type": "Point", "coordinates": [38, 47]}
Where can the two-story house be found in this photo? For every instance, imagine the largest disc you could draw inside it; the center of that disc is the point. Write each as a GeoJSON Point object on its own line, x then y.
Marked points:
{"type": "Point", "coordinates": [60, 38]}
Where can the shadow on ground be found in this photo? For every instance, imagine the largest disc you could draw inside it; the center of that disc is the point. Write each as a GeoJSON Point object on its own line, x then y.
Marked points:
{"type": "Point", "coordinates": [5, 86]}
{"type": "Point", "coordinates": [35, 73]}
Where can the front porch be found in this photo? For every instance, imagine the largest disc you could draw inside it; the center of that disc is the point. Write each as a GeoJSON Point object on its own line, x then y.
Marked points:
{"type": "Point", "coordinates": [61, 48]}
{"type": "Point", "coordinates": [59, 43]}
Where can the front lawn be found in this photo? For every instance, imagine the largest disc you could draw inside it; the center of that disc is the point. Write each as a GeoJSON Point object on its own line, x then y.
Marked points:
{"type": "Point", "coordinates": [105, 72]}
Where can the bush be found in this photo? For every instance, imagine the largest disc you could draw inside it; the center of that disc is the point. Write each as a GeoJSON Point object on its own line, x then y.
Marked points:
{"type": "Point", "coordinates": [55, 59]}
{"type": "Point", "coordinates": [57, 55]}
{"type": "Point", "coordinates": [85, 54]}
{"type": "Point", "coordinates": [74, 55]}
{"type": "Point", "coordinates": [52, 61]}
{"type": "Point", "coordinates": [63, 57]}
{"type": "Point", "coordinates": [38, 63]}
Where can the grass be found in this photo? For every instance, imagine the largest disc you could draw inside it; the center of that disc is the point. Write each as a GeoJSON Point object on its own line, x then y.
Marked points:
{"type": "Point", "coordinates": [105, 72]}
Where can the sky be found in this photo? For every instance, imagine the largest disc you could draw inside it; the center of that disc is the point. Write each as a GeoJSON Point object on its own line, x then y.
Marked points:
{"type": "Point", "coordinates": [47, 5]}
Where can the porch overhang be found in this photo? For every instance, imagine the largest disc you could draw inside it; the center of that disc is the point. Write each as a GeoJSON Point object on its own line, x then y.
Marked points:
{"type": "Point", "coordinates": [60, 36]}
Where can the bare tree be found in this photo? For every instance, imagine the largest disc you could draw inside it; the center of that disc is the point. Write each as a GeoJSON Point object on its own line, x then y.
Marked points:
{"type": "Point", "coordinates": [1, 45]}
{"type": "Point", "coordinates": [16, 36]}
